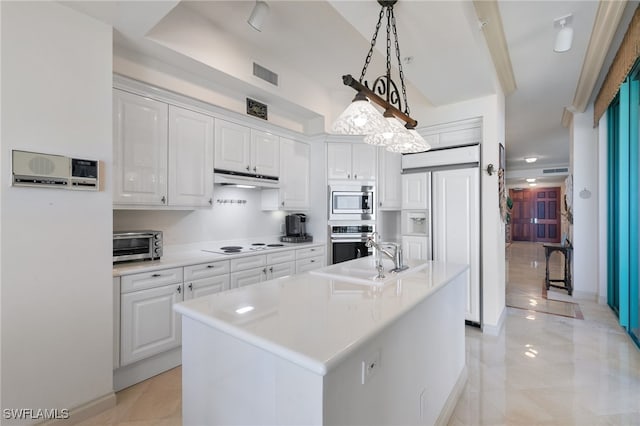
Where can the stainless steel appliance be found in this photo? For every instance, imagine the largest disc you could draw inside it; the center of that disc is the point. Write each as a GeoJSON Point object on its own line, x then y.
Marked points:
{"type": "Point", "coordinates": [349, 202]}
{"type": "Point", "coordinates": [349, 242]}
{"type": "Point", "coordinates": [136, 245]}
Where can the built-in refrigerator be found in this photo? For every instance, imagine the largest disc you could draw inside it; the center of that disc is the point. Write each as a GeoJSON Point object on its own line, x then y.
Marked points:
{"type": "Point", "coordinates": [440, 217]}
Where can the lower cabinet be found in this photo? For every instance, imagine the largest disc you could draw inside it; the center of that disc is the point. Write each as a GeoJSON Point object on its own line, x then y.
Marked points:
{"type": "Point", "coordinates": [247, 277]}
{"type": "Point", "coordinates": [205, 286]}
{"type": "Point", "coordinates": [310, 258]}
{"type": "Point", "coordinates": [148, 324]}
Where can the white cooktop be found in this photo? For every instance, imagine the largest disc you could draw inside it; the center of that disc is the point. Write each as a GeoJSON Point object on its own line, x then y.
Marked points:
{"type": "Point", "coordinates": [235, 248]}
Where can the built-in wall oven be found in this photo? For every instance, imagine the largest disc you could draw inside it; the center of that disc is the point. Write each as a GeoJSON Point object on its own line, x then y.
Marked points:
{"type": "Point", "coordinates": [351, 202]}
{"type": "Point", "coordinates": [349, 242]}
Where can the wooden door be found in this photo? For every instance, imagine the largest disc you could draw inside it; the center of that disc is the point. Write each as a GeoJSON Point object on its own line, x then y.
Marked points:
{"type": "Point", "coordinates": [535, 215]}
{"type": "Point", "coordinates": [546, 221]}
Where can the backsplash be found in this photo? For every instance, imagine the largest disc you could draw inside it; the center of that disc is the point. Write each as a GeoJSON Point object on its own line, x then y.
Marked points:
{"type": "Point", "coordinates": [224, 221]}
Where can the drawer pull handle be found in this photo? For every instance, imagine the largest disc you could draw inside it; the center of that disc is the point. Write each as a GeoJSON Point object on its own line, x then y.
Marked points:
{"type": "Point", "coordinates": [179, 289]}
{"type": "Point", "coordinates": [312, 260]}
{"type": "Point", "coordinates": [313, 249]}
{"type": "Point", "coordinates": [191, 286]}
{"type": "Point", "coordinates": [156, 275]}
{"type": "Point", "coordinates": [210, 266]}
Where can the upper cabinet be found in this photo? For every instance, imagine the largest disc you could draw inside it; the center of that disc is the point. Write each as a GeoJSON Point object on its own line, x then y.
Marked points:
{"type": "Point", "coordinates": [245, 150]}
{"type": "Point", "coordinates": [139, 150]}
{"type": "Point", "coordinates": [163, 154]}
{"type": "Point", "coordinates": [347, 161]}
{"type": "Point", "coordinates": [190, 158]}
{"type": "Point", "coordinates": [293, 193]}
{"type": "Point", "coordinates": [389, 180]}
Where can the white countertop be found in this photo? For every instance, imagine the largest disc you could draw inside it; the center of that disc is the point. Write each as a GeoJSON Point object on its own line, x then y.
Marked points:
{"type": "Point", "coordinates": [192, 254]}
{"type": "Point", "coordinates": [313, 320]}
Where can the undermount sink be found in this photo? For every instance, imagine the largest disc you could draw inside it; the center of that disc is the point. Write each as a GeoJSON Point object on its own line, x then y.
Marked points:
{"type": "Point", "coordinates": [363, 271]}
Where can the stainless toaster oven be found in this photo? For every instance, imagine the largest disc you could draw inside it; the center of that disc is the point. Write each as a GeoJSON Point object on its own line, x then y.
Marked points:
{"type": "Point", "coordinates": [136, 245]}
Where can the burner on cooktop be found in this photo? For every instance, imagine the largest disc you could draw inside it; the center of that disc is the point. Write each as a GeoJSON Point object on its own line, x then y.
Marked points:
{"type": "Point", "coordinates": [257, 244]}
{"type": "Point", "coordinates": [275, 245]}
{"type": "Point", "coordinates": [232, 251]}
{"type": "Point", "coordinates": [238, 248]}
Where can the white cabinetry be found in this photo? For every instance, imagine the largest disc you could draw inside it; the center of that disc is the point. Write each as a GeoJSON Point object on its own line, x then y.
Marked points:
{"type": "Point", "coordinates": [347, 161]}
{"type": "Point", "coordinates": [139, 150]}
{"type": "Point", "coordinates": [241, 149]}
{"type": "Point", "coordinates": [310, 258]}
{"type": "Point", "coordinates": [416, 247]}
{"type": "Point", "coordinates": [293, 193]}
{"type": "Point", "coordinates": [148, 324]}
{"type": "Point", "coordinates": [190, 158]}
{"type": "Point", "coordinates": [456, 231]}
{"type": "Point", "coordinates": [163, 154]}
{"type": "Point", "coordinates": [255, 269]}
{"type": "Point", "coordinates": [389, 180]}
{"type": "Point", "coordinates": [415, 191]}
{"type": "Point", "coordinates": [247, 277]}
{"type": "Point", "coordinates": [116, 322]}
{"type": "Point", "coordinates": [207, 278]}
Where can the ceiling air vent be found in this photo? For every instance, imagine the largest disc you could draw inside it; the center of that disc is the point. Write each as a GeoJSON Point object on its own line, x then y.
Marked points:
{"type": "Point", "coordinates": [560, 170]}
{"type": "Point", "coordinates": [265, 74]}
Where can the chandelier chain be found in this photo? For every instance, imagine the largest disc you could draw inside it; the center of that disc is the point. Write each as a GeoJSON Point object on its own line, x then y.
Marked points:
{"type": "Point", "coordinates": [397, 46]}
{"type": "Point", "coordinates": [389, 13]}
{"type": "Point", "coordinates": [373, 44]}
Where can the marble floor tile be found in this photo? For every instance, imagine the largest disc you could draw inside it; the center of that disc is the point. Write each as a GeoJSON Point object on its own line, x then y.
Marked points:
{"type": "Point", "coordinates": [542, 369]}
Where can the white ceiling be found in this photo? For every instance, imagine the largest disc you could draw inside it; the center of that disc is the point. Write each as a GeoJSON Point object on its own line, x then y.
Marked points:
{"type": "Point", "coordinates": [325, 40]}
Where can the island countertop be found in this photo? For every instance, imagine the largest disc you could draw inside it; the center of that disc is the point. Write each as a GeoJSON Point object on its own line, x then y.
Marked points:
{"type": "Point", "coordinates": [315, 321]}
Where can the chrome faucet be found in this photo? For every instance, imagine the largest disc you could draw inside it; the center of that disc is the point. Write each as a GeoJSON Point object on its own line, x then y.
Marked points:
{"type": "Point", "coordinates": [383, 248]}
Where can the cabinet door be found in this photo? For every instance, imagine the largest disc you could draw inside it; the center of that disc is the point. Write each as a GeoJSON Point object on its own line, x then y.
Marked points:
{"type": "Point", "coordinates": [304, 265]}
{"type": "Point", "coordinates": [294, 174]}
{"type": "Point", "coordinates": [281, 270]}
{"type": "Point", "coordinates": [148, 324]}
{"type": "Point", "coordinates": [364, 161]}
{"type": "Point", "coordinates": [389, 180]}
{"type": "Point", "coordinates": [116, 322]}
{"type": "Point", "coordinates": [211, 285]}
{"type": "Point", "coordinates": [338, 160]}
{"type": "Point", "coordinates": [265, 153]}
{"type": "Point", "coordinates": [456, 227]}
{"type": "Point", "coordinates": [233, 147]}
{"type": "Point", "coordinates": [415, 191]}
{"type": "Point", "coordinates": [190, 158]}
{"type": "Point", "coordinates": [139, 150]}
{"type": "Point", "coordinates": [416, 247]}
{"type": "Point", "coordinates": [248, 277]}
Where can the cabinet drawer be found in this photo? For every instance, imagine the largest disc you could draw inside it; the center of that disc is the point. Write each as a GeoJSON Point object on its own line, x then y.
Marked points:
{"type": "Point", "coordinates": [243, 263]}
{"type": "Point", "coordinates": [206, 270]}
{"type": "Point", "coordinates": [206, 286]}
{"type": "Point", "coordinates": [304, 265]}
{"type": "Point", "coordinates": [281, 257]}
{"type": "Point", "coordinates": [247, 277]}
{"type": "Point", "coordinates": [309, 252]}
{"type": "Point", "coordinates": [151, 279]}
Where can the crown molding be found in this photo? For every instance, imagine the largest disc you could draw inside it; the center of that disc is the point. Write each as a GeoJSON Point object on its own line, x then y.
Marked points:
{"type": "Point", "coordinates": [491, 24]}
{"type": "Point", "coordinates": [608, 18]}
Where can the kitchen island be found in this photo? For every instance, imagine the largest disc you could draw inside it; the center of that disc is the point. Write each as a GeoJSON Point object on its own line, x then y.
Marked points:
{"type": "Point", "coordinates": [317, 349]}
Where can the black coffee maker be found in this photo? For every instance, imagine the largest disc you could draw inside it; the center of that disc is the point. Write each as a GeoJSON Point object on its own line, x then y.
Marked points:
{"type": "Point", "coordinates": [296, 225]}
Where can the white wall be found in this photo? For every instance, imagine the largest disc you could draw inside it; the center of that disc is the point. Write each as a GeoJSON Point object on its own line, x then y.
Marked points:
{"type": "Point", "coordinates": [584, 160]}
{"type": "Point", "coordinates": [492, 110]}
{"type": "Point", "coordinates": [56, 244]}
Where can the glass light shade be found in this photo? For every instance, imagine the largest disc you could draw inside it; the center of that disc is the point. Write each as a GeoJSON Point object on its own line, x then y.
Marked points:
{"type": "Point", "coordinates": [393, 134]}
{"type": "Point", "coordinates": [359, 118]}
{"type": "Point", "coordinates": [258, 15]}
{"type": "Point", "coordinates": [415, 143]}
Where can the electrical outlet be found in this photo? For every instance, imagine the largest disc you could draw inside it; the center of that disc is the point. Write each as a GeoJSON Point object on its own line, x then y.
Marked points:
{"type": "Point", "coordinates": [370, 366]}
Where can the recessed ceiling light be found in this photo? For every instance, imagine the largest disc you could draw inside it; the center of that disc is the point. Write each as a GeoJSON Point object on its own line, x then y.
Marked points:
{"type": "Point", "coordinates": [531, 180]}
{"type": "Point", "coordinates": [530, 159]}
{"type": "Point", "coordinates": [532, 184]}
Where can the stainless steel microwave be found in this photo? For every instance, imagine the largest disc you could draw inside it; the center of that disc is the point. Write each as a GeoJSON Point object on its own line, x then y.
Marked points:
{"type": "Point", "coordinates": [349, 202]}
{"type": "Point", "coordinates": [137, 245]}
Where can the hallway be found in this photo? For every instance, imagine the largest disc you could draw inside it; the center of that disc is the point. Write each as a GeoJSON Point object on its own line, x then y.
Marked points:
{"type": "Point", "coordinates": [547, 369]}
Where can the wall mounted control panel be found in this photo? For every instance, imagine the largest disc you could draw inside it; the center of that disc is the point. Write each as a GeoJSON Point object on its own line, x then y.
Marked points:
{"type": "Point", "coordinates": [36, 169]}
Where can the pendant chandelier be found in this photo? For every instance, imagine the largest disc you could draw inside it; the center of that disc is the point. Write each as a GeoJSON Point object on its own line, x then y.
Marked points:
{"type": "Point", "coordinates": [393, 129]}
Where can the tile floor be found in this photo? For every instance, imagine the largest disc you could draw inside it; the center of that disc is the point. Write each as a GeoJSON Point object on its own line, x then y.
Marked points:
{"type": "Point", "coordinates": [542, 370]}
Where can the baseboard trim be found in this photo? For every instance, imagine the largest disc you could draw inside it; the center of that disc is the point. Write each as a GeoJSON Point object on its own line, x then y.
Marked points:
{"type": "Point", "coordinates": [495, 330]}
{"type": "Point", "coordinates": [86, 410]}
{"type": "Point", "coordinates": [137, 372]}
{"type": "Point", "coordinates": [452, 400]}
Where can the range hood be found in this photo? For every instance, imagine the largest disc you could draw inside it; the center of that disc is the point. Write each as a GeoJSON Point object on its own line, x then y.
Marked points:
{"type": "Point", "coordinates": [229, 177]}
